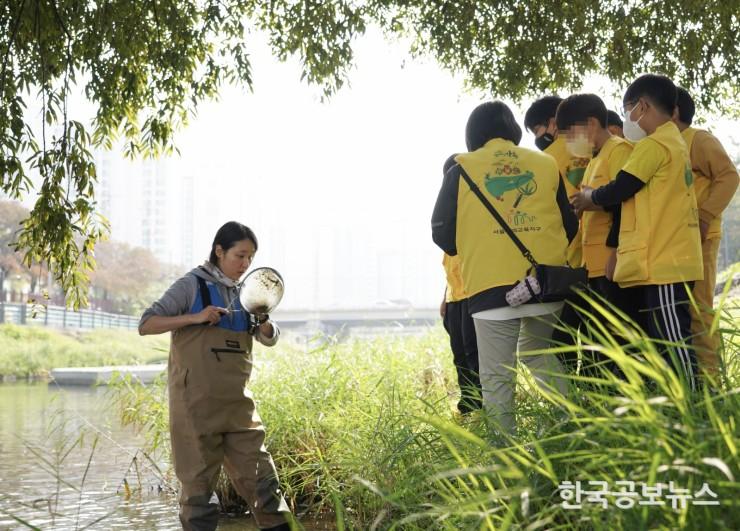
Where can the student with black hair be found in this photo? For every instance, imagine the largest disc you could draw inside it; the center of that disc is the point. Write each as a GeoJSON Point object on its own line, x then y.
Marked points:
{"type": "Point", "coordinates": [540, 120]}
{"type": "Point", "coordinates": [582, 121]}
{"type": "Point", "coordinates": [213, 417]}
{"type": "Point", "coordinates": [526, 190]}
{"type": "Point", "coordinates": [614, 123]}
{"type": "Point", "coordinates": [715, 183]}
{"type": "Point", "coordinates": [459, 325]}
{"type": "Point", "coordinates": [658, 234]}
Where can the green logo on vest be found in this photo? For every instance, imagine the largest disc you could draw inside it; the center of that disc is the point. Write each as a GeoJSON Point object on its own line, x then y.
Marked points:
{"type": "Point", "coordinates": [575, 176]}
{"type": "Point", "coordinates": [524, 183]}
{"type": "Point", "coordinates": [688, 176]}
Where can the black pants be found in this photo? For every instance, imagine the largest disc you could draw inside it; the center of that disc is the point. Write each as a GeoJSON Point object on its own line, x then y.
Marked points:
{"type": "Point", "coordinates": [667, 308]}
{"type": "Point", "coordinates": [629, 301]}
{"type": "Point", "coordinates": [460, 327]}
{"type": "Point", "coordinates": [662, 311]}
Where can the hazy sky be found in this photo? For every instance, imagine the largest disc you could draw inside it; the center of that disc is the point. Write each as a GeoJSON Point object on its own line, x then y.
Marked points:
{"type": "Point", "coordinates": [356, 176]}
{"type": "Point", "coordinates": [367, 164]}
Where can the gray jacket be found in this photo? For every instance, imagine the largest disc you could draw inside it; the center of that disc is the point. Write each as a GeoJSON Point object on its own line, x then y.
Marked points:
{"type": "Point", "coordinates": [179, 298]}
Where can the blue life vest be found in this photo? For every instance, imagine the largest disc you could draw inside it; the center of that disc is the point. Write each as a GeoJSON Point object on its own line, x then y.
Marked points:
{"type": "Point", "coordinates": [238, 319]}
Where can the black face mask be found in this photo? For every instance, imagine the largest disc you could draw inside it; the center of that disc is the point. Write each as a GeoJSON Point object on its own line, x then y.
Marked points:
{"type": "Point", "coordinates": [543, 141]}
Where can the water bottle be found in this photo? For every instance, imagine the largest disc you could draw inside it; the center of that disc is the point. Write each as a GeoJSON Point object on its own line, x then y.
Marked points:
{"type": "Point", "coordinates": [523, 291]}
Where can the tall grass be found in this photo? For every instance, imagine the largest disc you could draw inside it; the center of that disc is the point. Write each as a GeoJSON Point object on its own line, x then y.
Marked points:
{"type": "Point", "coordinates": [366, 431]}
{"type": "Point", "coordinates": [30, 351]}
{"type": "Point", "coordinates": [331, 414]}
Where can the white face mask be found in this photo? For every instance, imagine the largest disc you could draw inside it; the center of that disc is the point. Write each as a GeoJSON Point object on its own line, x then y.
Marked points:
{"type": "Point", "coordinates": [580, 147]}
{"type": "Point", "coordinates": [632, 131]}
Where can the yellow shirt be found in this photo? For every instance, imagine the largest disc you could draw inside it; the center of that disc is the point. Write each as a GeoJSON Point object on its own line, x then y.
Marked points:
{"type": "Point", "coordinates": [715, 177]}
{"type": "Point", "coordinates": [572, 170]}
{"type": "Point", "coordinates": [595, 225]}
{"type": "Point", "coordinates": [455, 289]}
{"type": "Point", "coordinates": [659, 233]}
{"type": "Point", "coordinates": [522, 185]}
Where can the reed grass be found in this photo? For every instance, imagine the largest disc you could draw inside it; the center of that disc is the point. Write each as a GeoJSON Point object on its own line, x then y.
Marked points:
{"type": "Point", "coordinates": [366, 431]}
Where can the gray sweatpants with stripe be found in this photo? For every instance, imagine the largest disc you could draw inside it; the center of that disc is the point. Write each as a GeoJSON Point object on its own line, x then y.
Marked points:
{"type": "Point", "coordinates": [498, 345]}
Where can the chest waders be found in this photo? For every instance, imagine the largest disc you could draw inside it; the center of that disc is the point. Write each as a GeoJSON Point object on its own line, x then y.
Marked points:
{"type": "Point", "coordinates": [213, 419]}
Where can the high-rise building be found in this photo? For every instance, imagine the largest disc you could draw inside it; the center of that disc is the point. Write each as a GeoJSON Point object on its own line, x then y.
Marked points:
{"type": "Point", "coordinates": [138, 198]}
{"type": "Point", "coordinates": [174, 210]}
{"type": "Point", "coordinates": [154, 204]}
{"type": "Point", "coordinates": [187, 221]}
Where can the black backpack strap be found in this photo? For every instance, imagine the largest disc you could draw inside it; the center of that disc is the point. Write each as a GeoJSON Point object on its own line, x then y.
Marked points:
{"type": "Point", "coordinates": [205, 294]}
{"type": "Point", "coordinates": [529, 288]}
{"type": "Point", "coordinates": [486, 203]}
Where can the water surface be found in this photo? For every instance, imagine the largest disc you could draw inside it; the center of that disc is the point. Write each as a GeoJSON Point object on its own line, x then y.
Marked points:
{"type": "Point", "coordinates": [42, 471]}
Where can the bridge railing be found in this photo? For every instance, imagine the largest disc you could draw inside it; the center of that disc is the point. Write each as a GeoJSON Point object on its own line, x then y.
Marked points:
{"type": "Point", "coordinates": [61, 317]}
{"type": "Point", "coordinates": [315, 320]}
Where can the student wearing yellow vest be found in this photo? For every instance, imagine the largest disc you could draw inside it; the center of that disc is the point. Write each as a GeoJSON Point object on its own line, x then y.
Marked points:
{"type": "Point", "coordinates": [459, 326]}
{"type": "Point", "coordinates": [582, 120]}
{"type": "Point", "coordinates": [659, 246]}
{"type": "Point", "coordinates": [715, 183]}
{"type": "Point", "coordinates": [525, 187]}
{"type": "Point", "coordinates": [540, 120]}
{"type": "Point", "coordinates": [614, 123]}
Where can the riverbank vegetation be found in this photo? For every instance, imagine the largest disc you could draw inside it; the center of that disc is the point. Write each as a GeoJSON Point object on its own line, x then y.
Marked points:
{"type": "Point", "coordinates": [32, 351]}
{"type": "Point", "coordinates": [365, 432]}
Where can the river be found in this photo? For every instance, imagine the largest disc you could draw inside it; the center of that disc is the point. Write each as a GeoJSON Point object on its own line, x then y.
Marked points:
{"type": "Point", "coordinates": [45, 479]}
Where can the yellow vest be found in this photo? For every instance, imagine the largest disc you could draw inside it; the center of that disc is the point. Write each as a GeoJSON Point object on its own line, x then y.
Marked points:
{"type": "Point", "coordinates": [595, 225]}
{"type": "Point", "coordinates": [455, 288]}
{"type": "Point", "coordinates": [572, 169]}
{"type": "Point", "coordinates": [701, 185]}
{"type": "Point", "coordinates": [521, 184]}
{"type": "Point", "coordinates": [659, 234]}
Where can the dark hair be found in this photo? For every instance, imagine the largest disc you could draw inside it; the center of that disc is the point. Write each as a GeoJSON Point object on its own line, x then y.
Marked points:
{"type": "Point", "coordinates": [659, 89]}
{"type": "Point", "coordinates": [578, 108]}
{"type": "Point", "coordinates": [686, 107]}
{"type": "Point", "coordinates": [612, 118]}
{"type": "Point", "coordinates": [449, 163]}
{"type": "Point", "coordinates": [541, 111]}
{"type": "Point", "coordinates": [228, 235]}
{"type": "Point", "coordinates": [490, 120]}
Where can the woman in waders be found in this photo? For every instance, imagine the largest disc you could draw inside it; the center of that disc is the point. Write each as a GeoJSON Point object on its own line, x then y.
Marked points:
{"type": "Point", "coordinates": [213, 420]}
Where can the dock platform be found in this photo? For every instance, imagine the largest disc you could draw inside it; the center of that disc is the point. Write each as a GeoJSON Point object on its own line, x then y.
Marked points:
{"type": "Point", "coordinates": [102, 375]}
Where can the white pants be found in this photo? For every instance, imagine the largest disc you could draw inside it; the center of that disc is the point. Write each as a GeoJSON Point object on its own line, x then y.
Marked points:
{"type": "Point", "coordinates": [498, 342]}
